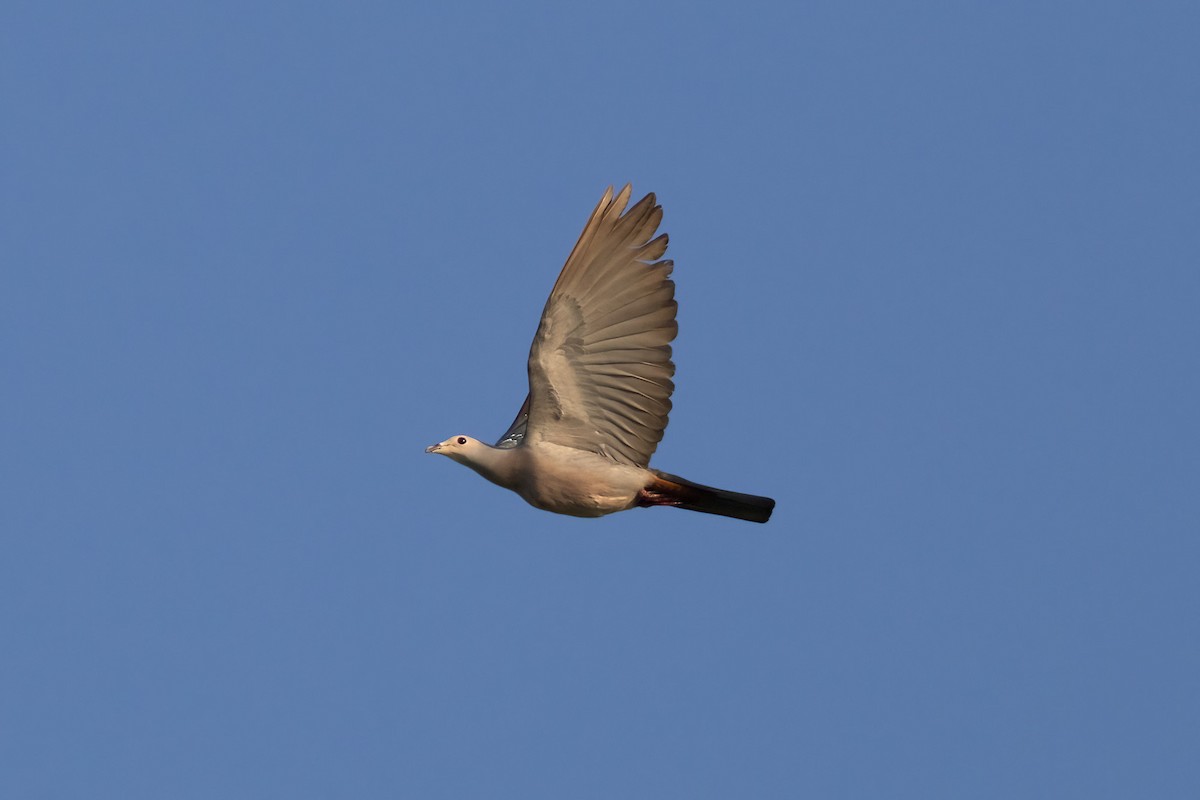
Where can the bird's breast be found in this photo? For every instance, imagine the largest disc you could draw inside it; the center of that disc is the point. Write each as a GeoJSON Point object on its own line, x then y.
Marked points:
{"type": "Point", "coordinates": [569, 481]}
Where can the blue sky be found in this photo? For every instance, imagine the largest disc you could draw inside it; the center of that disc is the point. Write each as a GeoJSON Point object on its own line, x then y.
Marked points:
{"type": "Point", "coordinates": [938, 268]}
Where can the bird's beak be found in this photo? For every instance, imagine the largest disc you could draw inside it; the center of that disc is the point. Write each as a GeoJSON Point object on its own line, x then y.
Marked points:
{"type": "Point", "coordinates": [433, 448]}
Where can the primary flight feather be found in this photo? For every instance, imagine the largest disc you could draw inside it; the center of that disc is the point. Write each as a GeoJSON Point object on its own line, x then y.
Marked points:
{"type": "Point", "coordinates": [600, 383]}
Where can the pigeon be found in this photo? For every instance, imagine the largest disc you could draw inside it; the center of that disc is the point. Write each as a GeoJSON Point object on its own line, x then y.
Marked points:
{"type": "Point", "coordinates": [600, 383]}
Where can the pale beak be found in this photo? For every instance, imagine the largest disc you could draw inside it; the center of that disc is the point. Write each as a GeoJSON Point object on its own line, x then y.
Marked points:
{"type": "Point", "coordinates": [433, 448]}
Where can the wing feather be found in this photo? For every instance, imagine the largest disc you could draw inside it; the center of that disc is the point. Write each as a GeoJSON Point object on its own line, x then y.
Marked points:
{"type": "Point", "coordinates": [600, 366]}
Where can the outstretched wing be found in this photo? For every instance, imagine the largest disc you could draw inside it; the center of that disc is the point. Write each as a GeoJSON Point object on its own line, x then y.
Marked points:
{"type": "Point", "coordinates": [600, 365]}
{"type": "Point", "coordinates": [516, 432]}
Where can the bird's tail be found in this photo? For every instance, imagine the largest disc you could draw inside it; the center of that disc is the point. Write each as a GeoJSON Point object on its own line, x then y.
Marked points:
{"type": "Point", "coordinates": [665, 489]}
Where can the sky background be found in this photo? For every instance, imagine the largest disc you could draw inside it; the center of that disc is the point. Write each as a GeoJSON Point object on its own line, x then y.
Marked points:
{"type": "Point", "coordinates": [938, 268]}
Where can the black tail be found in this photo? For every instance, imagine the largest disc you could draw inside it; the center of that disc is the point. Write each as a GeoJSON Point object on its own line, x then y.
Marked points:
{"type": "Point", "coordinates": [671, 490]}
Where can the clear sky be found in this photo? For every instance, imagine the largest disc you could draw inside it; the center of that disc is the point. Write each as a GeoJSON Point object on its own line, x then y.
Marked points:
{"type": "Point", "coordinates": [938, 267]}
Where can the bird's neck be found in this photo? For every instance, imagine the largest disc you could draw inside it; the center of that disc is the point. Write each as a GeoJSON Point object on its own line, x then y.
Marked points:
{"type": "Point", "coordinates": [493, 463]}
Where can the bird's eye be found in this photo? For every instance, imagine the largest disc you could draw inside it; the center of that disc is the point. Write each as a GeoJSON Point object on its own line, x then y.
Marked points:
{"type": "Point", "coordinates": [462, 440]}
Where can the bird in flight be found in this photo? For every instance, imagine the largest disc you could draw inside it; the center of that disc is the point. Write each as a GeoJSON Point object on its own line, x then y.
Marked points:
{"type": "Point", "coordinates": [600, 383]}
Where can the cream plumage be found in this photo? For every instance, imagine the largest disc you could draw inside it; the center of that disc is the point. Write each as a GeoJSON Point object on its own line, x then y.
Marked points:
{"type": "Point", "coordinates": [600, 382]}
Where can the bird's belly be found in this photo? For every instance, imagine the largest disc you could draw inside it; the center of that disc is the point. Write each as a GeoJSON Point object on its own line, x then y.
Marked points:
{"type": "Point", "coordinates": [587, 487]}
{"type": "Point", "coordinates": [578, 504]}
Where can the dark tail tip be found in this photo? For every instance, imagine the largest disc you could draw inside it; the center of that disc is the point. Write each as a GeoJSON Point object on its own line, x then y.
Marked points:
{"type": "Point", "coordinates": [671, 490]}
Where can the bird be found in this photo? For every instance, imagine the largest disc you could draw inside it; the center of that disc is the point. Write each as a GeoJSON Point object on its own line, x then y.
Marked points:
{"type": "Point", "coordinates": [600, 385]}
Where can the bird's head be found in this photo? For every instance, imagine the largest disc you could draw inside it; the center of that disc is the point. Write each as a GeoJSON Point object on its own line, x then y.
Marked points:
{"type": "Point", "coordinates": [459, 448]}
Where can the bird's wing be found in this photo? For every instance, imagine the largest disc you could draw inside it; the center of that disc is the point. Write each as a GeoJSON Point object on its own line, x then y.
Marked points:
{"type": "Point", "coordinates": [516, 432]}
{"type": "Point", "coordinates": [600, 365]}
